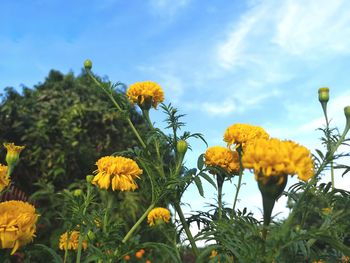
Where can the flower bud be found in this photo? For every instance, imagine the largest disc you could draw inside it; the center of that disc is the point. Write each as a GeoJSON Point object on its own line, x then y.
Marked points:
{"type": "Point", "coordinates": [88, 64]}
{"type": "Point", "coordinates": [91, 235]}
{"type": "Point", "coordinates": [323, 94]}
{"type": "Point", "coordinates": [78, 192]}
{"type": "Point", "coordinates": [347, 112]}
{"type": "Point", "coordinates": [89, 178]}
{"type": "Point", "coordinates": [181, 147]}
{"type": "Point", "coordinates": [12, 155]}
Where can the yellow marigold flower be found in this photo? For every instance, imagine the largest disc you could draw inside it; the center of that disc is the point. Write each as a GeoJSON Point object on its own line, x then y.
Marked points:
{"type": "Point", "coordinates": [145, 94]}
{"type": "Point", "coordinates": [118, 171]}
{"type": "Point", "coordinates": [213, 254]}
{"type": "Point", "coordinates": [222, 157]}
{"type": "Point", "coordinates": [241, 134]}
{"type": "Point", "coordinates": [71, 242]}
{"type": "Point", "coordinates": [274, 157]}
{"type": "Point", "coordinates": [13, 152]}
{"type": "Point", "coordinates": [158, 215]}
{"type": "Point", "coordinates": [17, 224]}
{"type": "Point", "coordinates": [4, 179]}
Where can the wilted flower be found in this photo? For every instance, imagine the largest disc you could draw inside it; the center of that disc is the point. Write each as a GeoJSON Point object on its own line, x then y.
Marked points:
{"type": "Point", "coordinates": [70, 241]}
{"type": "Point", "coordinates": [4, 179]}
{"type": "Point", "coordinates": [118, 171]}
{"type": "Point", "coordinates": [222, 157]}
{"type": "Point", "coordinates": [145, 94]}
{"type": "Point", "coordinates": [242, 134]}
{"type": "Point", "coordinates": [273, 157]}
{"type": "Point", "coordinates": [158, 215]}
{"type": "Point", "coordinates": [17, 224]}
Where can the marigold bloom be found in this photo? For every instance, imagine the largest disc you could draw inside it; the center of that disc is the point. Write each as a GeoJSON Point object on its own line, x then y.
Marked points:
{"type": "Point", "coordinates": [71, 242]}
{"type": "Point", "coordinates": [118, 171]}
{"type": "Point", "coordinates": [222, 157]}
{"type": "Point", "coordinates": [241, 134]}
{"type": "Point", "coordinates": [145, 92]}
{"type": "Point", "coordinates": [17, 224]}
{"type": "Point", "coordinates": [4, 179]}
{"type": "Point", "coordinates": [127, 258]}
{"type": "Point", "coordinates": [138, 254]}
{"type": "Point", "coordinates": [274, 157]}
{"type": "Point", "coordinates": [13, 152]}
{"type": "Point", "coordinates": [158, 215]}
{"type": "Point", "coordinates": [213, 254]}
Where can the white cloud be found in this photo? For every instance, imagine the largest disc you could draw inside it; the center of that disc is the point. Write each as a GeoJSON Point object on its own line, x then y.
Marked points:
{"type": "Point", "coordinates": [313, 26]}
{"type": "Point", "coordinates": [277, 30]}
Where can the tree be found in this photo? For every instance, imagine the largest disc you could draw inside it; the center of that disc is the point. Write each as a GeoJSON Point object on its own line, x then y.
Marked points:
{"type": "Point", "coordinates": [66, 124]}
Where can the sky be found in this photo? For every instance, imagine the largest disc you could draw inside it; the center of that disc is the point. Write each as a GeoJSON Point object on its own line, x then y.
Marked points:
{"type": "Point", "coordinates": [219, 62]}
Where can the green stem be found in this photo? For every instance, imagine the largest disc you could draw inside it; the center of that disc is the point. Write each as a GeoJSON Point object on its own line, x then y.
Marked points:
{"type": "Point", "coordinates": [239, 150]}
{"type": "Point", "coordinates": [80, 245]}
{"type": "Point", "coordinates": [119, 108]}
{"type": "Point", "coordinates": [220, 182]}
{"type": "Point", "coordinates": [187, 230]}
{"type": "Point", "coordinates": [108, 207]}
{"type": "Point", "coordinates": [132, 230]}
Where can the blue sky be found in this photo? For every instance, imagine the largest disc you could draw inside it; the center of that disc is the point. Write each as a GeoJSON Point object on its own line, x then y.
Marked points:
{"type": "Point", "coordinates": [220, 62]}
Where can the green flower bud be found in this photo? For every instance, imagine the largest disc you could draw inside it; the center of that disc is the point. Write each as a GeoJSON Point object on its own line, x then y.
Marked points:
{"type": "Point", "coordinates": [347, 112]}
{"type": "Point", "coordinates": [89, 178]}
{"type": "Point", "coordinates": [181, 146]}
{"type": "Point", "coordinates": [323, 94]}
{"type": "Point", "coordinates": [12, 155]}
{"type": "Point", "coordinates": [78, 192]}
{"type": "Point", "coordinates": [91, 235]}
{"type": "Point", "coordinates": [88, 64]}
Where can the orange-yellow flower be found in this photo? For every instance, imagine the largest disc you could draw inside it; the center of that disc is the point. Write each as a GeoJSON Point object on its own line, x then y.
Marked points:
{"type": "Point", "coordinates": [120, 172]}
{"type": "Point", "coordinates": [17, 224]}
{"type": "Point", "coordinates": [139, 254]}
{"type": "Point", "coordinates": [242, 134]}
{"type": "Point", "coordinates": [13, 152]}
{"type": "Point", "coordinates": [274, 157]}
{"type": "Point", "coordinates": [222, 157]}
{"type": "Point", "coordinates": [70, 241]}
{"type": "Point", "coordinates": [4, 179]}
{"type": "Point", "coordinates": [145, 94]}
{"type": "Point", "coordinates": [158, 215]}
{"type": "Point", "coordinates": [127, 258]}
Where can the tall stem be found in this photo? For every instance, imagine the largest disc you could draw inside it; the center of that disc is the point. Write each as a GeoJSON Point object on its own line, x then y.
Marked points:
{"type": "Point", "coordinates": [132, 230]}
{"type": "Point", "coordinates": [187, 230]}
{"type": "Point", "coordinates": [80, 245]}
{"type": "Point", "coordinates": [220, 182]}
{"type": "Point", "coordinates": [118, 108]}
{"type": "Point", "coordinates": [239, 150]}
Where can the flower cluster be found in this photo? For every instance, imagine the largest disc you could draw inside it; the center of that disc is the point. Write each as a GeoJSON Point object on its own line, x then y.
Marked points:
{"type": "Point", "coordinates": [120, 172]}
{"type": "Point", "coordinates": [242, 134]}
{"type": "Point", "coordinates": [222, 157]}
{"type": "Point", "coordinates": [146, 92]}
{"type": "Point", "coordinates": [274, 157]}
{"type": "Point", "coordinates": [17, 224]}
{"type": "Point", "coordinates": [70, 241]}
{"type": "Point", "coordinates": [158, 215]}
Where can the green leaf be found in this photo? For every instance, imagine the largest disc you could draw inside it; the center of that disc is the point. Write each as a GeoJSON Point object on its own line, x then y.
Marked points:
{"type": "Point", "coordinates": [200, 161]}
{"type": "Point", "coordinates": [208, 179]}
{"type": "Point", "coordinates": [199, 185]}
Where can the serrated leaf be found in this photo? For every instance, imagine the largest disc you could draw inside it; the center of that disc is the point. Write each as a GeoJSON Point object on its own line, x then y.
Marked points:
{"type": "Point", "coordinates": [199, 185]}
